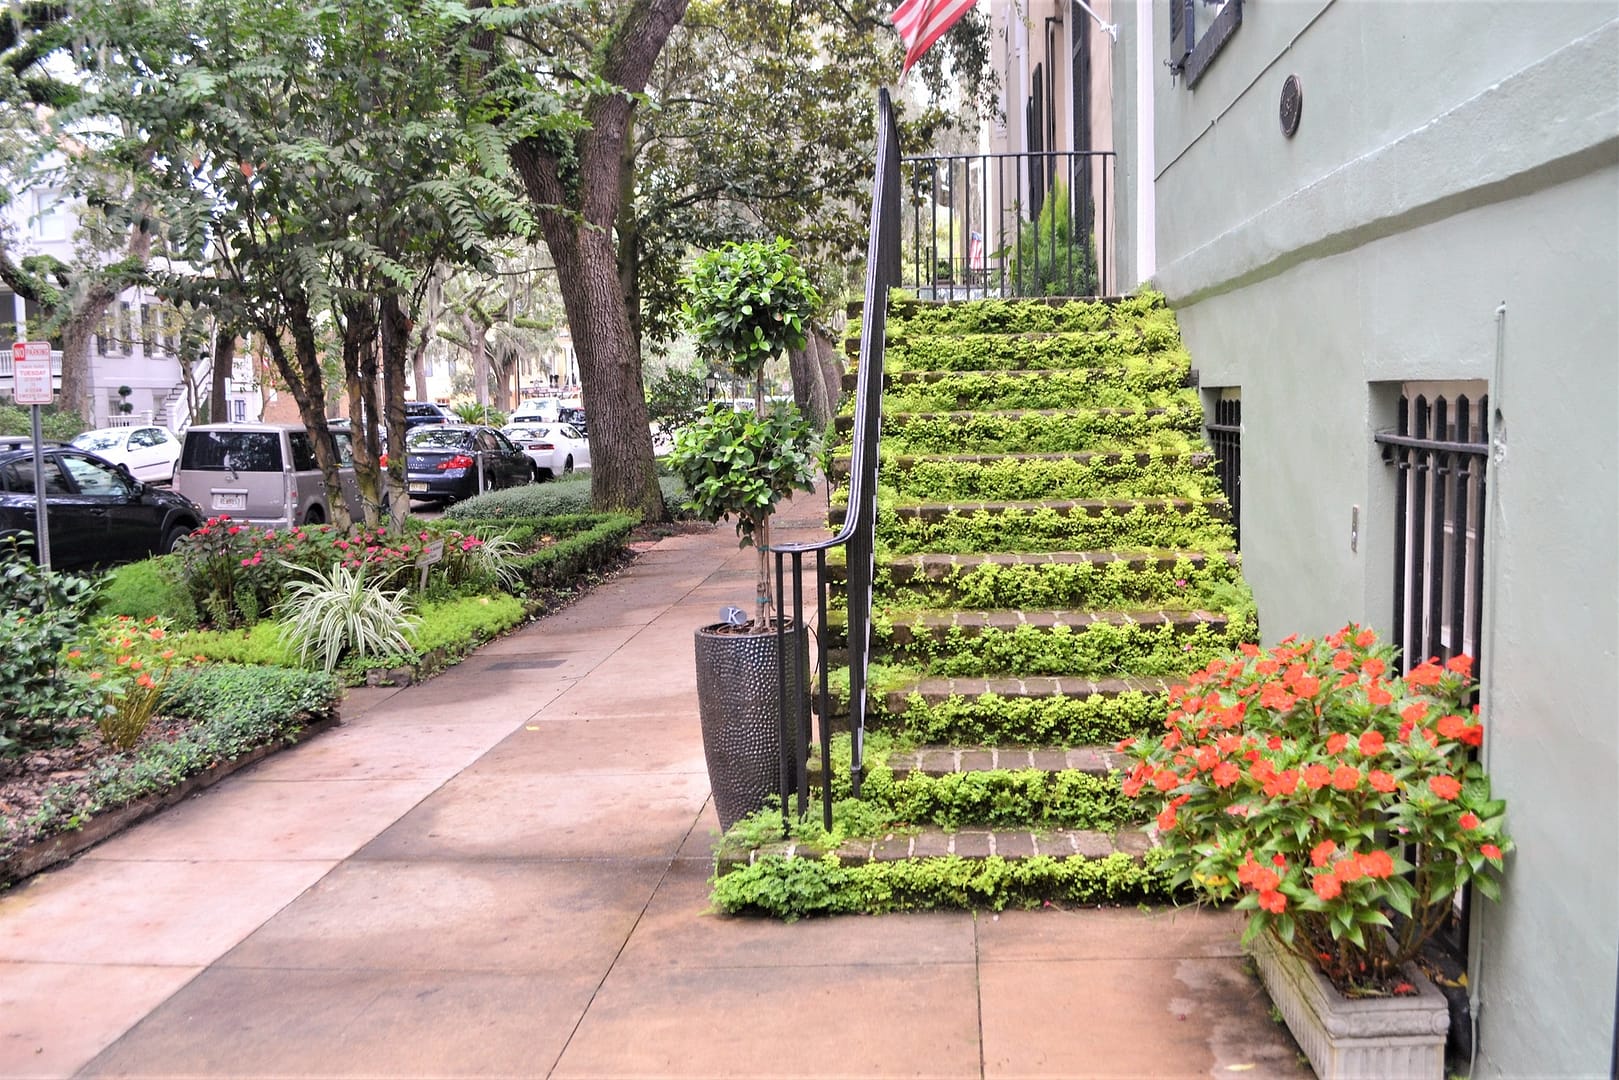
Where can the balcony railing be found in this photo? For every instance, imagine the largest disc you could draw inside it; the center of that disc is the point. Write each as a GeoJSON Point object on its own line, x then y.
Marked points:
{"type": "Point", "coordinates": [1005, 225]}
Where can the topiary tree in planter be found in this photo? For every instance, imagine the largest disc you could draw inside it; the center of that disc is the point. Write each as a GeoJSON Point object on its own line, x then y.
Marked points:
{"type": "Point", "coordinates": [748, 303]}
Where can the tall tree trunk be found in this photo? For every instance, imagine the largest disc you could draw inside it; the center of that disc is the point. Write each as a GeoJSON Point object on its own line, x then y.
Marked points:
{"type": "Point", "coordinates": [577, 216]}
{"type": "Point", "coordinates": [301, 372]}
{"type": "Point", "coordinates": [478, 345]}
{"type": "Point", "coordinates": [623, 469]}
{"type": "Point", "coordinates": [817, 379]}
{"type": "Point", "coordinates": [224, 360]}
{"type": "Point", "coordinates": [360, 379]}
{"type": "Point", "coordinates": [395, 354]}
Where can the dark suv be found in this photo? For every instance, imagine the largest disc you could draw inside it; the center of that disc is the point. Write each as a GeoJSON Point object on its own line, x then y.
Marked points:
{"type": "Point", "coordinates": [418, 413]}
{"type": "Point", "coordinates": [98, 513]}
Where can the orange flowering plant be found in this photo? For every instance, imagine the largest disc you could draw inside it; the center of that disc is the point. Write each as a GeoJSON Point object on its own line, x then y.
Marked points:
{"type": "Point", "coordinates": [121, 665]}
{"type": "Point", "coordinates": [1341, 803]}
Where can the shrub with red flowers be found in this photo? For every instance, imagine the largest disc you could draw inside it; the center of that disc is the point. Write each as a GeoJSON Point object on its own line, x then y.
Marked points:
{"type": "Point", "coordinates": [1340, 802]}
{"type": "Point", "coordinates": [236, 573]}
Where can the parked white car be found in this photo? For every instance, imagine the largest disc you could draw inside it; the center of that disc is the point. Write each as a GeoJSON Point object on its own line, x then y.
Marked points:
{"type": "Point", "coordinates": [150, 453]}
{"type": "Point", "coordinates": [555, 449]}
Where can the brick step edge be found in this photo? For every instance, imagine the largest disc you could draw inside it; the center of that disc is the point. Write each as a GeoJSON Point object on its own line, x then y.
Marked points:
{"type": "Point", "coordinates": [937, 691]}
{"type": "Point", "coordinates": [948, 760]}
{"type": "Point", "coordinates": [1010, 844]}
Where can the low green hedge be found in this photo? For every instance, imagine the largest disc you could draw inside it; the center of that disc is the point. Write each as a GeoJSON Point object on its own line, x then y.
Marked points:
{"type": "Point", "coordinates": [569, 496]}
{"type": "Point", "coordinates": [145, 589]}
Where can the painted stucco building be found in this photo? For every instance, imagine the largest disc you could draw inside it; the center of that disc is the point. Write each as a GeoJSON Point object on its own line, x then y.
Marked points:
{"type": "Point", "coordinates": [1390, 232]}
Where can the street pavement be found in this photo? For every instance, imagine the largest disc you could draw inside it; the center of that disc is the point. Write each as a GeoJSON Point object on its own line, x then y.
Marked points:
{"type": "Point", "coordinates": [503, 872]}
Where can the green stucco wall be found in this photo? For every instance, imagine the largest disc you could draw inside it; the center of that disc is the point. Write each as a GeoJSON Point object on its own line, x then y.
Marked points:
{"type": "Point", "coordinates": [1452, 158]}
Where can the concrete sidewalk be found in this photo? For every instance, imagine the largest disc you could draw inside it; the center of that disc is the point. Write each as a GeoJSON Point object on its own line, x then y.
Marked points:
{"type": "Point", "coordinates": [503, 872]}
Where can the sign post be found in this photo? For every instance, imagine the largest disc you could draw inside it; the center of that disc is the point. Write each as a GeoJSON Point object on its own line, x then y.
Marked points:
{"type": "Point", "coordinates": [31, 386]}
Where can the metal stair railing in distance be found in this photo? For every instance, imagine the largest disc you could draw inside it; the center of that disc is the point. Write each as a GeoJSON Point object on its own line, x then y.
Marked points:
{"type": "Point", "coordinates": [859, 526]}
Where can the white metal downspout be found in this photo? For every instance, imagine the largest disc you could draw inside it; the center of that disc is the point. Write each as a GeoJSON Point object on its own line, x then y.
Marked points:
{"type": "Point", "coordinates": [1486, 687]}
{"type": "Point", "coordinates": [1146, 155]}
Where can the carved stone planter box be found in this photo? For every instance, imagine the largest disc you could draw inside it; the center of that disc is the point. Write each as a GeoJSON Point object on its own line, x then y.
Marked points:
{"type": "Point", "coordinates": [1344, 1038]}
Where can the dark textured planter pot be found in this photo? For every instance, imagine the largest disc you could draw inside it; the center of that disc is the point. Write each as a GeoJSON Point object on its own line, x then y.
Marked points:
{"type": "Point", "coordinates": [1363, 1039]}
{"type": "Point", "coordinates": [739, 705]}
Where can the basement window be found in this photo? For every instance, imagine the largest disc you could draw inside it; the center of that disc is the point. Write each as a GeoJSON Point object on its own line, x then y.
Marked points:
{"type": "Point", "coordinates": [1198, 30]}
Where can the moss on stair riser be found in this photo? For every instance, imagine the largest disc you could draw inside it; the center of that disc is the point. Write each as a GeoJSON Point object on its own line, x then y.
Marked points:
{"type": "Point", "coordinates": [1046, 586]}
{"type": "Point", "coordinates": [993, 719]}
{"type": "Point", "coordinates": [1196, 529]}
{"type": "Point", "coordinates": [1164, 425]}
{"type": "Point", "coordinates": [1037, 389]}
{"type": "Point", "coordinates": [1013, 480]}
{"type": "Point", "coordinates": [794, 887]}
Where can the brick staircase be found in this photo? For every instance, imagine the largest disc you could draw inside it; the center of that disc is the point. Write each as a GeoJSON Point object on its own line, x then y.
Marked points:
{"type": "Point", "coordinates": [1052, 553]}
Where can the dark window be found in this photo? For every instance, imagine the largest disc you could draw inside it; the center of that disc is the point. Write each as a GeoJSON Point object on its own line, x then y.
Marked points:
{"type": "Point", "coordinates": [303, 452]}
{"type": "Point", "coordinates": [19, 477]}
{"type": "Point", "coordinates": [1225, 436]}
{"type": "Point", "coordinates": [1198, 30]}
{"type": "Point", "coordinates": [227, 451]}
{"type": "Point", "coordinates": [94, 478]}
{"type": "Point", "coordinates": [439, 438]}
{"type": "Point", "coordinates": [1439, 451]}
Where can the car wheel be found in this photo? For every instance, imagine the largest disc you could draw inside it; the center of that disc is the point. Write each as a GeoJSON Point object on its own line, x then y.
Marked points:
{"type": "Point", "coordinates": [567, 466]}
{"type": "Point", "coordinates": [316, 516]}
{"type": "Point", "coordinates": [175, 534]}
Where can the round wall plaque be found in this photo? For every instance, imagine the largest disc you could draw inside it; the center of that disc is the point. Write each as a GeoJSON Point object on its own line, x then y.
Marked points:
{"type": "Point", "coordinates": [1292, 104]}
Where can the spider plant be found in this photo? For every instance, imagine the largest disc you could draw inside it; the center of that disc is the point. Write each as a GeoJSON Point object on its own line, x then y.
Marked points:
{"type": "Point", "coordinates": [337, 611]}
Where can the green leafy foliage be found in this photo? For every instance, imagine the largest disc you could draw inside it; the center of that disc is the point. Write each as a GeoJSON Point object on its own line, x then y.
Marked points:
{"type": "Point", "coordinates": [1142, 582]}
{"type": "Point", "coordinates": [942, 480]}
{"type": "Point", "coordinates": [738, 463]}
{"type": "Point", "coordinates": [675, 399]}
{"type": "Point", "coordinates": [567, 496]}
{"type": "Point", "coordinates": [747, 303]}
{"type": "Point", "coordinates": [1053, 721]}
{"type": "Point", "coordinates": [457, 626]}
{"type": "Point", "coordinates": [792, 888]}
{"type": "Point", "coordinates": [43, 611]}
{"type": "Point", "coordinates": [146, 589]}
{"type": "Point", "coordinates": [234, 710]}
{"type": "Point", "coordinates": [1053, 257]}
{"type": "Point", "coordinates": [1044, 529]}
{"type": "Point", "coordinates": [1167, 424]}
{"type": "Point", "coordinates": [1129, 381]}
{"type": "Point", "coordinates": [337, 612]}
{"type": "Point", "coordinates": [1099, 650]}
{"type": "Point", "coordinates": [121, 665]}
{"type": "Point", "coordinates": [54, 423]}
{"type": "Point", "coordinates": [260, 645]}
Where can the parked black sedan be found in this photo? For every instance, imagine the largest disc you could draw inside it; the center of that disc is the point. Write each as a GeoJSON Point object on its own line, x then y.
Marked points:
{"type": "Point", "coordinates": [445, 462]}
{"type": "Point", "coordinates": [97, 512]}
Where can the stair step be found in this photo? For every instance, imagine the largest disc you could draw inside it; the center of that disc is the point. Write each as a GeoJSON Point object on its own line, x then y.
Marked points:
{"type": "Point", "coordinates": [1009, 844]}
{"type": "Point", "coordinates": [937, 691]}
{"type": "Point", "coordinates": [950, 760]}
{"type": "Point", "coordinates": [932, 513]}
{"type": "Point", "coordinates": [929, 566]}
{"type": "Point", "coordinates": [840, 463]}
{"type": "Point", "coordinates": [845, 424]}
{"type": "Point", "coordinates": [895, 380]}
{"type": "Point", "coordinates": [937, 624]}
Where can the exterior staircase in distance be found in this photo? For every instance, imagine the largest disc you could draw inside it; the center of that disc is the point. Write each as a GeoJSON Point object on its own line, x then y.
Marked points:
{"type": "Point", "coordinates": [1053, 553]}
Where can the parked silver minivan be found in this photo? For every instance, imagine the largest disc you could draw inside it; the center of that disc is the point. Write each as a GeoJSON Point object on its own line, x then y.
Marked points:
{"type": "Point", "coordinates": [262, 474]}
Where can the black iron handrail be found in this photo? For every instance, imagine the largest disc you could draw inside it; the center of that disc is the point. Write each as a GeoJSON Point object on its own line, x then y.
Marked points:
{"type": "Point", "coordinates": [859, 525]}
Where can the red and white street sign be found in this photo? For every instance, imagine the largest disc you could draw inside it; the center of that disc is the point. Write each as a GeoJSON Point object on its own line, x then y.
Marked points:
{"type": "Point", "coordinates": [31, 371]}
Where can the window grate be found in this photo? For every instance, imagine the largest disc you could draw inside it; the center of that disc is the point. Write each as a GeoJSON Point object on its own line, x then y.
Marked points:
{"type": "Point", "coordinates": [1225, 436]}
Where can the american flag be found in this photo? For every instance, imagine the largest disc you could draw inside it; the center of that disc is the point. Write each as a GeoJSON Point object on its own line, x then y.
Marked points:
{"type": "Point", "coordinates": [975, 252]}
{"type": "Point", "coordinates": [922, 22]}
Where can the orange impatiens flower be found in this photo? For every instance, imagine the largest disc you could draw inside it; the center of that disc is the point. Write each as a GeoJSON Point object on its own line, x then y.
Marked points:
{"type": "Point", "coordinates": [1424, 674]}
{"type": "Point", "coordinates": [1376, 864]}
{"type": "Point", "coordinates": [1378, 696]}
{"type": "Point", "coordinates": [1374, 668]}
{"type": "Point", "coordinates": [1366, 639]}
{"type": "Point", "coordinates": [1446, 787]}
{"type": "Point", "coordinates": [1473, 735]}
{"type": "Point", "coordinates": [1382, 781]}
{"type": "Point", "coordinates": [1371, 743]}
{"type": "Point", "coordinates": [1317, 777]}
{"type": "Point", "coordinates": [1490, 851]}
{"type": "Point", "coordinates": [1468, 820]}
{"type": "Point", "coordinates": [1451, 726]}
{"type": "Point", "coordinates": [1346, 778]}
{"type": "Point", "coordinates": [1343, 659]}
{"type": "Point", "coordinates": [1225, 774]}
{"type": "Point", "coordinates": [1322, 853]}
{"type": "Point", "coordinates": [1273, 901]}
{"type": "Point", "coordinates": [1461, 665]}
{"type": "Point", "coordinates": [1336, 742]}
{"type": "Point", "coordinates": [1327, 886]}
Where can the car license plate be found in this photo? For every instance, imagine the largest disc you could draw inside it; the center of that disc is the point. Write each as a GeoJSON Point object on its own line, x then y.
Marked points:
{"type": "Point", "coordinates": [230, 500]}
{"type": "Point", "coordinates": [417, 486]}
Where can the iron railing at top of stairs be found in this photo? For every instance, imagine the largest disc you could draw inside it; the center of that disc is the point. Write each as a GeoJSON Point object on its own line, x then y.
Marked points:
{"type": "Point", "coordinates": [857, 535]}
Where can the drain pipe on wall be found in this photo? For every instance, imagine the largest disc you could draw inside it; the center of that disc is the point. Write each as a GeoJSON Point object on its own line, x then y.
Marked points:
{"type": "Point", "coordinates": [1492, 538]}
